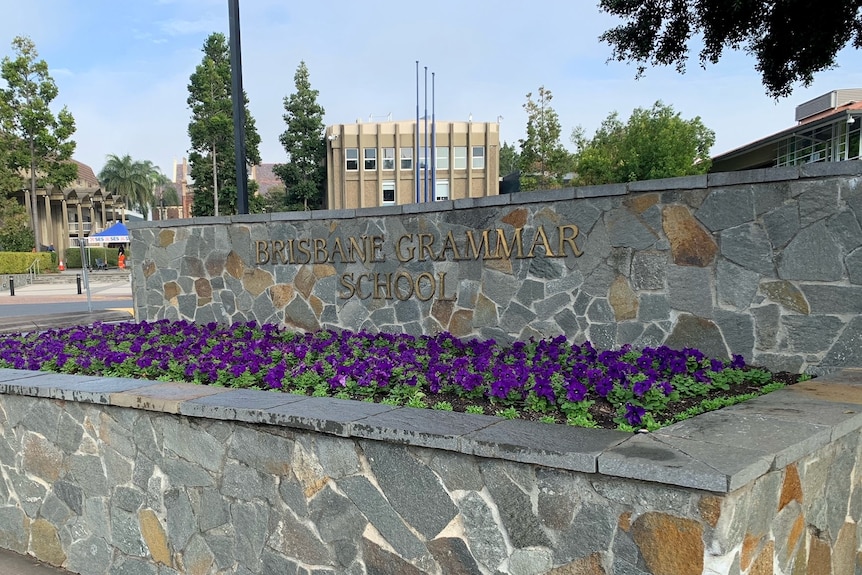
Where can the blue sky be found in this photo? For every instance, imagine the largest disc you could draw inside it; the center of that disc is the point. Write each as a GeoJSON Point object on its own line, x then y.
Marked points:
{"type": "Point", "coordinates": [123, 67]}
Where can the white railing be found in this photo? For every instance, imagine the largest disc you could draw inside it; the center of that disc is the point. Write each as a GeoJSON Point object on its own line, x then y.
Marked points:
{"type": "Point", "coordinates": [33, 271]}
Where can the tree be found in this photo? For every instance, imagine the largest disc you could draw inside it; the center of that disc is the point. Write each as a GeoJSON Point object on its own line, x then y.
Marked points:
{"type": "Point", "coordinates": [509, 159]}
{"type": "Point", "coordinates": [130, 179]}
{"type": "Point", "coordinates": [654, 143]}
{"type": "Point", "coordinates": [211, 157]}
{"type": "Point", "coordinates": [791, 40]}
{"type": "Point", "coordinates": [164, 192]}
{"type": "Point", "coordinates": [15, 234]}
{"type": "Point", "coordinates": [304, 174]}
{"type": "Point", "coordinates": [543, 159]}
{"type": "Point", "coordinates": [39, 141]}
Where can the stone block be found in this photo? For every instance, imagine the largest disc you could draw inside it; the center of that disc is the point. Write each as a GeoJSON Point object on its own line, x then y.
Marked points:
{"type": "Point", "coordinates": [626, 230]}
{"type": "Point", "coordinates": [698, 332]}
{"type": "Point", "coordinates": [726, 208]}
{"type": "Point", "coordinates": [561, 446]}
{"type": "Point", "coordinates": [781, 224]}
{"type": "Point", "coordinates": [735, 285]}
{"type": "Point", "coordinates": [662, 184]}
{"type": "Point", "coordinates": [690, 243]}
{"type": "Point", "coordinates": [748, 246]}
{"type": "Point", "coordinates": [690, 290]}
{"type": "Point", "coordinates": [812, 255]}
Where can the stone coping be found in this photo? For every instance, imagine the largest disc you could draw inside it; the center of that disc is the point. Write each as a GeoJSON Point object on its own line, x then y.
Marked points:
{"type": "Point", "coordinates": [712, 180]}
{"type": "Point", "coordinates": [718, 451]}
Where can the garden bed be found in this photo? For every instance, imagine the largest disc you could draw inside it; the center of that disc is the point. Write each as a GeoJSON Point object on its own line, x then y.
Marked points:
{"type": "Point", "coordinates": [550, 380]}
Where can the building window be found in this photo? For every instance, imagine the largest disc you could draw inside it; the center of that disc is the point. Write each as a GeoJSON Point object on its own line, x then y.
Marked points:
{"type": "Point", "coordinates": [478, 157]}
{"type": "Point", "coordinates": [406, 158]}
{"type": "Point", "coordinates": [351, 159]}
{"type": "Point", "coordinates": [388, 158]}
{"type": "Point", "coordinates": [460, 158]}
{"type": "Point", "coordinates": [442, 190]}
{"type": "Point", "coordinates": [388, 193]}
{"type": "Point", "coordinates": [423, 157]}
{"type": "Point", "coordinates": [442, 159]}
{"type": "Point", "coordinates": [370, 155]}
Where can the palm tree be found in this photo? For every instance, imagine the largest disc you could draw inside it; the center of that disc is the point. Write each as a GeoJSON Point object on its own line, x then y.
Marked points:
{"type": "Point", "coordinates": [130, 179]}
{"type": "Point", "coordinates": [164, 192]}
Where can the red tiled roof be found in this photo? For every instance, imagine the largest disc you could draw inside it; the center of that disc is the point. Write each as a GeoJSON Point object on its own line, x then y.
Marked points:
{"type": "Point", "coordinates": [86, 174]}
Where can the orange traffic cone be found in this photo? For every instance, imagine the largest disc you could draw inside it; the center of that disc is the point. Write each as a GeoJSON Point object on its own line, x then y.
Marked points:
{"type": "Point", "coordinates": [61, 266]}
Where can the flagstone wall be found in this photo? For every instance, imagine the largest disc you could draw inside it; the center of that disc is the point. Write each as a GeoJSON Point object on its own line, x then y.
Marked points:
{"type": "Point", "coordinates": [125, 476]}
{"type": "Point", "coordinates": [763, 263]}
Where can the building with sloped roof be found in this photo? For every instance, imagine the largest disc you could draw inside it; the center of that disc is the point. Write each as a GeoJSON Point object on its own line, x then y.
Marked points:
{"type": "Point", "coordinates": [69, 215]}
{"type": "Point", "coordinates": [828, 130]}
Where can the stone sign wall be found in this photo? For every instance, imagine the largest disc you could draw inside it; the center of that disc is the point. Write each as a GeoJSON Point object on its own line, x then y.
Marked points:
{"type": "Point", "coordinates": [766, 264]}
{"type": "Point", "coordinates": [127, 476]}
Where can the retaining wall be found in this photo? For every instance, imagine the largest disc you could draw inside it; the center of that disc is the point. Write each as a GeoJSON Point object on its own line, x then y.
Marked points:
{"type": "Point", "coordinates": [766, 264]}
{"type": "Point", "coordinates": [135, 477]}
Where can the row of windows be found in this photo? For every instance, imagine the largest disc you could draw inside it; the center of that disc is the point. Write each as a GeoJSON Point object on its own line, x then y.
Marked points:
{"type": "Point", "coordinates": [388, 189]}
{"type": "Point", "coordinates": [369, 158]}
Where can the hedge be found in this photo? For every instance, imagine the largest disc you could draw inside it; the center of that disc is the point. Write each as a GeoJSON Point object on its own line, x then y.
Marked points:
{"type": "Point", "coordinates": [20, 262]}
{"type": "Point", "coordinates": [73, 256]}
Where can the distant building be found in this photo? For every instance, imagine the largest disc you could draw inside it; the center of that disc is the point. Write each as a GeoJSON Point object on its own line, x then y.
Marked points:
{"type": "Point", "coordinates": [828, 130]}
{"type": "Point", "coordinates": [72, 213]}
{"type": "Point", "coordinates": [374, 164]}
{"type": "Point", "coordinates": [265, 177]}
{"type": "Point", "coordinates": [184, 187]}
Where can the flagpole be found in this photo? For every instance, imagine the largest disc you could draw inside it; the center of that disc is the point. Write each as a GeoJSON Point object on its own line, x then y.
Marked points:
{"type": "Point", "coordinates": [425, 170]}
{"type": "Point", "coordinates": [416, 154]}
{"type": "Point", "coordinates": [433, 144]}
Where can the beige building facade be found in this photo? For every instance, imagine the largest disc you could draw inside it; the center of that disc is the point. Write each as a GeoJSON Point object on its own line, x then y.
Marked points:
{"type": "Point", "coordinates": [374, 164]}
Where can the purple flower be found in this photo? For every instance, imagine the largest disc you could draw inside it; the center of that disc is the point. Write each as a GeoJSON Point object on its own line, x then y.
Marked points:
{"type": "Point", "coordinates": [634, 414]}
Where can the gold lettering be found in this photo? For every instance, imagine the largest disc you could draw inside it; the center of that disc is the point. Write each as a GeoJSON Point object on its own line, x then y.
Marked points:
{"type": "Point", "coordinates": [411, 252]}
{"type": "Point", "coordinates": [442, 282]}
{"type": "Point", "coordinates": [507, 249]}
{"type": "Point", "coordinates": [540, 234]}
{"type": "Point", "coordinates": [471, 245]}
{"type": "Point", "coordinates": [423, 247]}
{"type": "Point", "coordinates": [262, 252]}
{"type": "Point", "coordinates": [290, 252]}
{"type": "Point", "coordinates": [561, 230]}
{"type": "Point", "coordinates": [398, 293]}
{"type": "Point", "coordinates": [337, 248]}
{"type": "Point", "coordinates": [449, 244]}
{"type": "Point", "coordinates": [303, 246]}
{"type": "Point", "coordinates": [278, 252]}
{"type": "Point", "coordinates": [347, 282]}
{"type": "Point", "coordinates": [359, 285]}
{"type": "Point", "coordinates": [320, 254]}
{"type": "Point", "coordinates": [377, 249]}
{"type": "Point", "coordinates": [387, 283]}
{"type": "Point", "coordinates": [354, 249]}
{"type": "Point", "coordinates": [430, 278]}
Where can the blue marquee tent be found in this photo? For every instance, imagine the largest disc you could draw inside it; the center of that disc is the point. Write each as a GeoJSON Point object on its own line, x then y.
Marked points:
{"type": "Point", "coordinates": [116, 234]}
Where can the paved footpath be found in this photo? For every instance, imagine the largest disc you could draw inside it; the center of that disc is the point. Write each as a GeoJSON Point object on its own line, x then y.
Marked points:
{"type": "Point", "coordinates": [12, 563]}
{"type": "Point", "coordinates": [100, 290]}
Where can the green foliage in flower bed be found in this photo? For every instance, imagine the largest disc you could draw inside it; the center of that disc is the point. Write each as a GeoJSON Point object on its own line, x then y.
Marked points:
{"type": "Point", "coordinates": [550, 380]}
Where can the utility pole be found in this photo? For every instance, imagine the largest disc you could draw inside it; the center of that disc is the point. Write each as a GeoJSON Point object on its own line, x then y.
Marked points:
{"type": "Point", "coordinates": [238, 109]}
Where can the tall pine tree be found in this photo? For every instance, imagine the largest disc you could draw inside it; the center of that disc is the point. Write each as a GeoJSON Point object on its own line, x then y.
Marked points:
{"type": "Point", "coordinates": [543, 159]}
{"type": "Point", "coordinates": [40, 142]}
{"type": "Point", "coordinates": [211, 157]}
{"type": "Point", "coordinates": [304, 174]}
